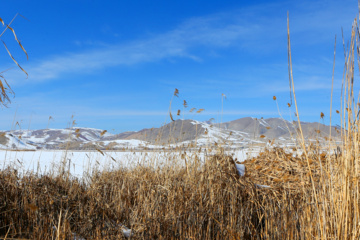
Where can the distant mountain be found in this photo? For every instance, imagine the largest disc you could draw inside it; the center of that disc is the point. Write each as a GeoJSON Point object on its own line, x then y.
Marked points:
{"type": "Point", "coordinates": [238, 133]}
{"type": "Point", "coordinates": [274, 128]}
{"type": "Point", "coordinates": [174, 132]}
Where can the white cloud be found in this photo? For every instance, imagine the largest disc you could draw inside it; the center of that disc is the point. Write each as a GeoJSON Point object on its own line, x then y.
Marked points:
{"type": "Point", "coordinates": [208, 31]}
{"type": "Point", "coordinates": [252, 28]}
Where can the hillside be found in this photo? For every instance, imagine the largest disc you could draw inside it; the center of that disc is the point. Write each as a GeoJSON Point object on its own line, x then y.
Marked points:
{"type": "Point", "coordinates": [238, 133]}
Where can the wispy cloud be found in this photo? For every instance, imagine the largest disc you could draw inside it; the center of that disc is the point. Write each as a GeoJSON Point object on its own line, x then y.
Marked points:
{"type": "Point", "coordinates": [207, 31]}
{"type": "Point", "coordinates": [248, 28]}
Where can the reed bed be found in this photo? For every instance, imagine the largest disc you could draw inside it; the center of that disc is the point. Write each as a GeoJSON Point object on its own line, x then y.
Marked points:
{"type": "Point", "coordinates": [200, 201]}
{"type": "Point", "coordinates": [207, 202]}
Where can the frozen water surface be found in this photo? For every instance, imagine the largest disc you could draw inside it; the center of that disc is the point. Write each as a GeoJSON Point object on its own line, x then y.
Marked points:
{"type": "Point", "coordinates": [80, 162]}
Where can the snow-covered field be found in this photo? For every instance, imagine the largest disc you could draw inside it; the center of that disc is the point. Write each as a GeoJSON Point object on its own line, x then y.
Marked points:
{"type": "Point", "coordinates": [81, 162]}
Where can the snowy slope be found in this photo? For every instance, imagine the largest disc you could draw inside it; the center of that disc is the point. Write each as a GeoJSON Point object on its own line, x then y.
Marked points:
{"type": "Point", "coordinates": [240, 133]}
{"type": "Point", "coordinates": [16, 143]}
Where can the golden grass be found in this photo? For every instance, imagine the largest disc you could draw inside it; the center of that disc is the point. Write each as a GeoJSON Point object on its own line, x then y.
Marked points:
{"type": "Point", "coordinates": [156, 203]}
{"type": "Point", "coordinates": [199, 201]}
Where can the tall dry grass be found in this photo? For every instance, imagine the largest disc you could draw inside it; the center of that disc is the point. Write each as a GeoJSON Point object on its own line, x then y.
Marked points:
{"type": "Point", "coordinates": [202, 201]}
{"type": "Point", "coordinates": [5, 89]}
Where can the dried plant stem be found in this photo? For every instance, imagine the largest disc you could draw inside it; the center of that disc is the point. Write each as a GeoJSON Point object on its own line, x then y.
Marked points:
{"type": "Point", "coordinates": [299, 123]}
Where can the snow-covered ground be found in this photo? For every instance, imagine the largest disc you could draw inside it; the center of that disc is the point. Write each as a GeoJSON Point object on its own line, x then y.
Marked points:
{"type": "Point", "coordinates": [81, 162]}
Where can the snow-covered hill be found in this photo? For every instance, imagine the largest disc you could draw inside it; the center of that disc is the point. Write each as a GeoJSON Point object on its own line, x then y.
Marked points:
{"type": "Point", "coordinates": [239, 133]}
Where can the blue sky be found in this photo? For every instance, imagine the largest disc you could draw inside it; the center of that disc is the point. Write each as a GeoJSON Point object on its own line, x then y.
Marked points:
{"type": "Point", "coordinates": [115, 64]}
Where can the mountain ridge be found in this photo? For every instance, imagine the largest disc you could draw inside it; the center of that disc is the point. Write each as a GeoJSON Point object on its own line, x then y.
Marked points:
{"type": "Point", "coordinates": [240, 132]}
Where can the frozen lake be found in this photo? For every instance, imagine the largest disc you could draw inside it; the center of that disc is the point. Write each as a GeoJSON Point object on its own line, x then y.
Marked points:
{"type": "Point", "coordinates": [80, 162]}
